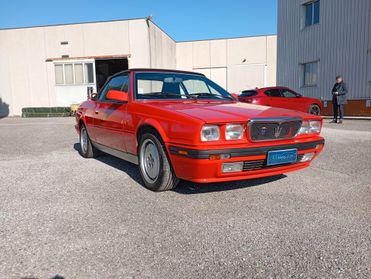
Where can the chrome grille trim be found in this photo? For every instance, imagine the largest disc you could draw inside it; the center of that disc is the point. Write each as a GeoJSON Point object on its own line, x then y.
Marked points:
{"type": "Point", "coordinates": [262, 164]}
{"type": "Point", "coordinates": [270, 129]}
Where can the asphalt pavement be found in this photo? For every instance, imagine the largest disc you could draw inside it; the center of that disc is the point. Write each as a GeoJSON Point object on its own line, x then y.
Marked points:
{"type": "Point", "coordinates": [63, 216]}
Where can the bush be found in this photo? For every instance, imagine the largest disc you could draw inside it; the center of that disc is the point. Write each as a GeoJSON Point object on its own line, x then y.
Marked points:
{"type": "Point", "coordinates": [46, 112]}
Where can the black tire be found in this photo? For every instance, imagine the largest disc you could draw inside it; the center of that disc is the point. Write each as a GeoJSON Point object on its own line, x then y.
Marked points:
{"type": "Point", "coordinates": [87, 150]}
{"type": "Point", "coordinates": [154, 164]}
{"type": "Point", "coordinates": [314, 109]}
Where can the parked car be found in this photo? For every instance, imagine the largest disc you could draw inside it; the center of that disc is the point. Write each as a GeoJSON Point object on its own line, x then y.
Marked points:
{"type": "Point", "coordinates": [181, 125]}
{"type": "Point", "coordinates": [281, 97]}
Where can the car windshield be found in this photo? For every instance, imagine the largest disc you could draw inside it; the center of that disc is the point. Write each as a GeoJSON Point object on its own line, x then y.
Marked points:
{"type": "Point", "coordinates": [160, 85]}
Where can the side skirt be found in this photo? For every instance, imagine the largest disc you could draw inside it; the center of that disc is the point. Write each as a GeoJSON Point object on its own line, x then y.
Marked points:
{"type": "Point", "coordinates": [117, 153]}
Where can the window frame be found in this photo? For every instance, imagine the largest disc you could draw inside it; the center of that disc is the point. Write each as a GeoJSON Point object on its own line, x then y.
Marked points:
{"type": "Point", "coordinates": [369, 66]}
{"type": "Point", "coordinates": [99, 96]}
{"type": "Point", "coordinates": [303, 82]}
{"type": "Point", "coordinates": [274, 89]}
{"type": "Point", "coordinates": [312, 4]}
{"type": "Point", "coordinates": [290, 91]}
{"type": "Point", "coordinates": [84, 71]}
{"type": "Point", "coordinates": [254, 93]}
{"type": "Point", "coordinates": [212, 85]}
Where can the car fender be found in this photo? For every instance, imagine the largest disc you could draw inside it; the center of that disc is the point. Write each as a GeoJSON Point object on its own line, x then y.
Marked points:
{"type": "Point", "coordinates": [156, 125]}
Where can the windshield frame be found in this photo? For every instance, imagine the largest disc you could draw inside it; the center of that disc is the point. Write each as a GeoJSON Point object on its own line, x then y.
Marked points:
{"type": "Point", "coordinates": [224, 93]}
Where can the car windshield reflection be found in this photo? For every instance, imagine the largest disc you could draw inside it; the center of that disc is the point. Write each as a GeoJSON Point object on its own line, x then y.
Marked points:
{"type": "Point", "coordinates": [157, 85]}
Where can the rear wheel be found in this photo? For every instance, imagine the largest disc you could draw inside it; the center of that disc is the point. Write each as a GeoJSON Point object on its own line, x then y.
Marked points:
{"type": "Point", "coordinates": [87, 150]}
{"type": "Point", "coordinates": [155, 168]}
{"type": "Point", "coordinates": [314, 109]}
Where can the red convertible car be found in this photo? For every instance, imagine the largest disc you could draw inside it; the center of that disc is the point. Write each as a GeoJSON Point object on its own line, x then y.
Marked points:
{"type": "Point", "coordinates": [181, 125]}
{"type": "Point", "coordinates": [281, 97]}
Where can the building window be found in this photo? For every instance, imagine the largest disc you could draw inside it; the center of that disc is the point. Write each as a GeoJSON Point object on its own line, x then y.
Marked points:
{"type": "Point", "coordinates": [312, 12]}
{"type": "Point", "coordinates": [310, 74]}
{"type": "Point", "coordinates": [369, 66]}
{"type": "Point", "coordinates": [74, 73]}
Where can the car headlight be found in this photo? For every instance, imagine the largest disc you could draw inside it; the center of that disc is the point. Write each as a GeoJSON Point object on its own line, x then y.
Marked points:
{"type": "Point", "coordinates": [233, 131]}
{"type": "Point", "coordinates": [210, 133]}
{"type": "Point", "coordinates": [310, 127]}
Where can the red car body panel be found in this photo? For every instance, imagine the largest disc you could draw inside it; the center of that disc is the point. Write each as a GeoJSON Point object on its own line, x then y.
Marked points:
{"type": "Point", "coordinates": [179, 123]}
{"type": "Point", "coordinates": [300, 104]}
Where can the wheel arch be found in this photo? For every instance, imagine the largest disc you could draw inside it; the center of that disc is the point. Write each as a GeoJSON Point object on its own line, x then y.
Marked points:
{"type": "Point", "coordinates": [319, 105]}
{"type": "Point", "coordinates": [152, 126]}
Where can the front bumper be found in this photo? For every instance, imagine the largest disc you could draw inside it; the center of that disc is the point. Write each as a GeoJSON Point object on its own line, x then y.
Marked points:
{"type": "Point", "coordinates": [200, 165]}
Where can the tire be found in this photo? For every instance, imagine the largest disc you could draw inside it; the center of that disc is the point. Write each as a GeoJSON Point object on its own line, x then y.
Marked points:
{"type": "Point", "coordinates": [87, 150]}
{"type": "Point", "coordinates": [314, 109]}
{"type": "Point", "coordinates": [154, 164]}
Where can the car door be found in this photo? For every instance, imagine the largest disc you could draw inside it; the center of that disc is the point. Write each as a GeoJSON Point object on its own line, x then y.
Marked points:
{"type": "Point", "coordinates": [111, 116]}
{"type": "Point", "coordinates": [274, 98]}
{"type": "Point", "coordinates": [291, 99]}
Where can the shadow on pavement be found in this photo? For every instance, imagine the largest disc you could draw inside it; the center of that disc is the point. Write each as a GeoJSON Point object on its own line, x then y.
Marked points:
{"type": "Point", "coordinates": [184, 187]}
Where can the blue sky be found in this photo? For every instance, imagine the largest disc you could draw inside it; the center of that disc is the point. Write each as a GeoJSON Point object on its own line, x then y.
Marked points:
{"type": "Point", "coordinates": [183, 20]}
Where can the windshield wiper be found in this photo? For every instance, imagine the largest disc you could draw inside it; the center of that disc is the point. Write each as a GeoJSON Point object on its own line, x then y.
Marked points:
{"type": "Point", "coordinates": [207, 94]}
{"type": "Point", "coordinates": [165, 94]}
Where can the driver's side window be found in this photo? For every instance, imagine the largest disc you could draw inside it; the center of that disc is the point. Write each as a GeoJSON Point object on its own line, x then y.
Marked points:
{"type": "Point", "coordinates": [288, 94]}
{"type": "Point", "coordinates": [120, 83]}
{"type": "Point", "coordinates": [273, 93]}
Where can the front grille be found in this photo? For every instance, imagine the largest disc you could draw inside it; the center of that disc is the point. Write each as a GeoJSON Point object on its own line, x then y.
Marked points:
{"type": "Point", "coordinates": [262, 164]}
{"type": "Point", "coordinates": [274, 129]}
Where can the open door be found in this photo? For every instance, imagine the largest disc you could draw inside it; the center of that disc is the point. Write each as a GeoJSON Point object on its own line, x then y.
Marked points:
{"type": "Point", "coordinates": [104, 68]}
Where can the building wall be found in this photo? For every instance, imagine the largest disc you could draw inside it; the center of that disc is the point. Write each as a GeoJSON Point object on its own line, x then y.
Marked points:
{"type": "Point", "coordinates": [236, 64]}
{"type": "Point", "coordinates": [26, 79]}
{"type": "Point", "coordinates": [163, 48]}
{"type": "Point", "coordinates": [339, 42]}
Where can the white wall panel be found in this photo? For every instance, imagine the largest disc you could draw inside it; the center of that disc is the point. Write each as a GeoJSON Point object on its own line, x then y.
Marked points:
{"type": "Point", "coordinates": [242, 77]}
{"type": "Point", "coordinates": [219, 76]}
{"type": "Point", "coordinates": [218, 53]}
{"type": "Point", "coordinates": [184, 58]}
{"type": "Point", "coordinates": [201, 54]}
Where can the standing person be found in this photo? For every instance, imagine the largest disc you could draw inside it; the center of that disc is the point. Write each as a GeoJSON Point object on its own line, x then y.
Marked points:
{"type": "Point", "coordinates": [339, 99]}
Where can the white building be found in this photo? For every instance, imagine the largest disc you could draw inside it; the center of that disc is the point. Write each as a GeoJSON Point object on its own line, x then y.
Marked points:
{"type": "Point", "coordinates": [319, 39]}
{"type": "Point", "coordinates": [51, 66]}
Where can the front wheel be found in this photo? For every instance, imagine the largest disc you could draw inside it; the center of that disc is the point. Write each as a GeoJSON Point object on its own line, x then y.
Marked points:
{"type": "Point", "coordinates": [87, 149]}
{"type": "Point", "coordinates": [314, 109]}
{"type": "Point", "coordinates": [155, 168]}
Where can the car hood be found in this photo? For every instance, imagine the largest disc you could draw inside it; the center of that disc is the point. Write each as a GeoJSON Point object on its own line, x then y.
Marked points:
{"type": "Point", "coordinates": [218, 112]}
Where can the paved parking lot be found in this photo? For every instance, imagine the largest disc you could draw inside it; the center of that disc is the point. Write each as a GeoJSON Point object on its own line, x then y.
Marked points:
{"type": "Point", "coordinates": [62, 215]}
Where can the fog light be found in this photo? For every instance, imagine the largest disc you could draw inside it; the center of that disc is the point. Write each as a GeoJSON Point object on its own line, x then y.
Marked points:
{"type": "Point", "coordinates": [225, 156]}
{"type": "Point", "coordinates": [232, 167]}
{"type": "Point", "coordinates": [307, 157]}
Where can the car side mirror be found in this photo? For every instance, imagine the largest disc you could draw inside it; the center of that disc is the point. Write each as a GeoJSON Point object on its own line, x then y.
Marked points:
{"type": "Point", "coordinates": [298, 96]}
{"type": "Point", "coordinates": [117, 95]}
{"type": "Point", "coordinates": [94, 96]}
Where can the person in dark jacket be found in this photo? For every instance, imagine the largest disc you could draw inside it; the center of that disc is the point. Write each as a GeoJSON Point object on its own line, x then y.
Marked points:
{"type": "Point", "coordinates": [339, 99]}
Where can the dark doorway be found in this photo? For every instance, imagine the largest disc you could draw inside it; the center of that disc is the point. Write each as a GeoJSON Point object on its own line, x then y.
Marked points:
{"type": "Point", "coordinates": [104, 68]}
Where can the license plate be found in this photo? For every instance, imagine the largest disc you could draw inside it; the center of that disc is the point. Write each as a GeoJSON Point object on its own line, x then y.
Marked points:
{"type": "Point", "coordinates": [279, 157]}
